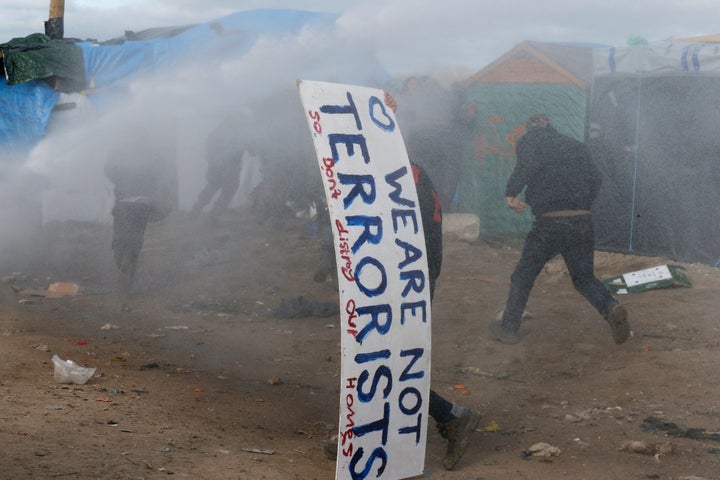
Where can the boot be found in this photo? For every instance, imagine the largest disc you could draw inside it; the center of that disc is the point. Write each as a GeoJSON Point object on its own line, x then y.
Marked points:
{"type": "Point", "coordinates": [617, 318]}
{"type": "Point", "coordinates": [458, 432]}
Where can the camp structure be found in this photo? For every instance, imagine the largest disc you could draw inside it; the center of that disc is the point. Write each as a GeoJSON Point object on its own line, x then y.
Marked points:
{"type": "Point", "coordinates": [531, 78]}
{"type": "Point", "coordinates": [655, 133]}
{"type": "Point", "coordinates": [64, 101]}
{"type": "Point", "coordinates": [39, 69]}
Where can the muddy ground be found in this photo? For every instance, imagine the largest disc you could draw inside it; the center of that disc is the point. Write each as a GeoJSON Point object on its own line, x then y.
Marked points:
{"type": "Point", "coordinates": [196, 378]}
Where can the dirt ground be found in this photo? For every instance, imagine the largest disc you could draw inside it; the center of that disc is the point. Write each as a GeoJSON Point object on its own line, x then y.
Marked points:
{"type": "Point", "coordinates": [197, 379]}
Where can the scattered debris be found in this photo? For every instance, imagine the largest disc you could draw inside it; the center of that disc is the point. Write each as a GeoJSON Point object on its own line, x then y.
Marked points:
{"type": "Point", "coordinates": [477, 371]}
{"type": "Point", "coordinates": [257, 450]}
{"type": "Point", "coordinates": [55, 290]}
{"type": "Point", "coordinates": [542, 450]}
{"type": "Point", "coordinates": [149, 366]}
{"type": "Point", "coordinates": [592, 414]}
{"type": "Point", "coordinates": [580, 443]}
{"type": "Point", "coordinates": [492, 427]}
{"type": "Point", "coordinates": [655, 424]}
{"type": "Point", "coordinates": [61, 289]}
{"type": "Point", "coordinates": [67, 371]}
{"type": "Point", "coordinates": [662, 276]}
{"type": "Point", "coordinates": [461, 226]}
{"type": "Point", "coordinates": [657, 449]}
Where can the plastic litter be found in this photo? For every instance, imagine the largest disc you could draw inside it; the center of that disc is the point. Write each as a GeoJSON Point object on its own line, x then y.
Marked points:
{"type": "Point", "coordinates": [491, 427]}
{"type": "Point", "coordinates": [67, 371]}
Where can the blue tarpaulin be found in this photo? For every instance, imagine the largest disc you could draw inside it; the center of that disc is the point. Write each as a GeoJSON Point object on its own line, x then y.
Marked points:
{"type": "Point", "coordinates": [24, 113]}
{"type": "Point", "coordinates": [228, 37]}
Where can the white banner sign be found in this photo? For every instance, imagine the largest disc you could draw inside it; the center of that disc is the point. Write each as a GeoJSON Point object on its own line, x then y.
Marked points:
{"type": "Point", "coordinates": [383, 281]}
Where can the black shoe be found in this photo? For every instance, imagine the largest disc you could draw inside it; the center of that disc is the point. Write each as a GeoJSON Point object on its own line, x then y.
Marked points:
{"type": "Point", "coordinates": [458, 432]}
{"type": "Point", "coordinates": [617, 318]}
{"type": "Point", "coordinates": [505, 336]}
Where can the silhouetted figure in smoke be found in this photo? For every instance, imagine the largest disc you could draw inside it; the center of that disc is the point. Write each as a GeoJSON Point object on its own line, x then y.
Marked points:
{"type": "Point", "coordinates": [460, 141]}
{"type": "Point", "coordinates": [143, 176]}
{"type": "Point", "coordinates": [561, 182]}
{"type": "Point", "coordinates": [224, 156]}
{"type": "Point", "coordinates": [429, 120]}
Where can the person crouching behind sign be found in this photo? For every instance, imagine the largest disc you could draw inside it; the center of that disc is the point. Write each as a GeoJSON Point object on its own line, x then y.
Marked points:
{"type": "Point", "coordinates": [455, 423]}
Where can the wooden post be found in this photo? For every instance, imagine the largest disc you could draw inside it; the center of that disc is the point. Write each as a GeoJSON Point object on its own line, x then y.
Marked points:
{"type": "Point", "coordinates": [54, 27]}
{"type": "Point", "coordinates": [57, 8]}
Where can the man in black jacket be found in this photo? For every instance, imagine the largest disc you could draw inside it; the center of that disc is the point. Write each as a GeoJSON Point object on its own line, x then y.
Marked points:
{"type": "Point", "coordinates": [560, 182]}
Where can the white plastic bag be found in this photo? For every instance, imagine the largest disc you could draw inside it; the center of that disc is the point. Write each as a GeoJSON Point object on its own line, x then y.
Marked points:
{"type": "Point", "coordinates": [67, 371]}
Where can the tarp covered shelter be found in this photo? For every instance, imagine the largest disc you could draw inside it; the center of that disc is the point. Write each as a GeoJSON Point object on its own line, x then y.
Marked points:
{"type": "Point", "coordinates": [37, 67]}
{"type": "Point", "coordinates": [243, 55]}
{"type": "Point", "coordinates": [531, 78]}
{"type": "Point", "coordinates": [655, 133]}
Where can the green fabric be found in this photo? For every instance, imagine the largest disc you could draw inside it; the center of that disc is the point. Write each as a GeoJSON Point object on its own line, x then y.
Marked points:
{"type": "Point", "coordinates": [489, 159]}
{"type": "Point", "coordinates": [37, 56]}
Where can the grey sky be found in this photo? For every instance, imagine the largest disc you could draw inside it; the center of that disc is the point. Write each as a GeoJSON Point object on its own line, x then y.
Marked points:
{"type": "Point", "coordinates": [412, 36]}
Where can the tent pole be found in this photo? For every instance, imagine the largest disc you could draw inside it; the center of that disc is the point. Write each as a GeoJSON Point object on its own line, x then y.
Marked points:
{"type": "Point", "coordinates": [54, 26]}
